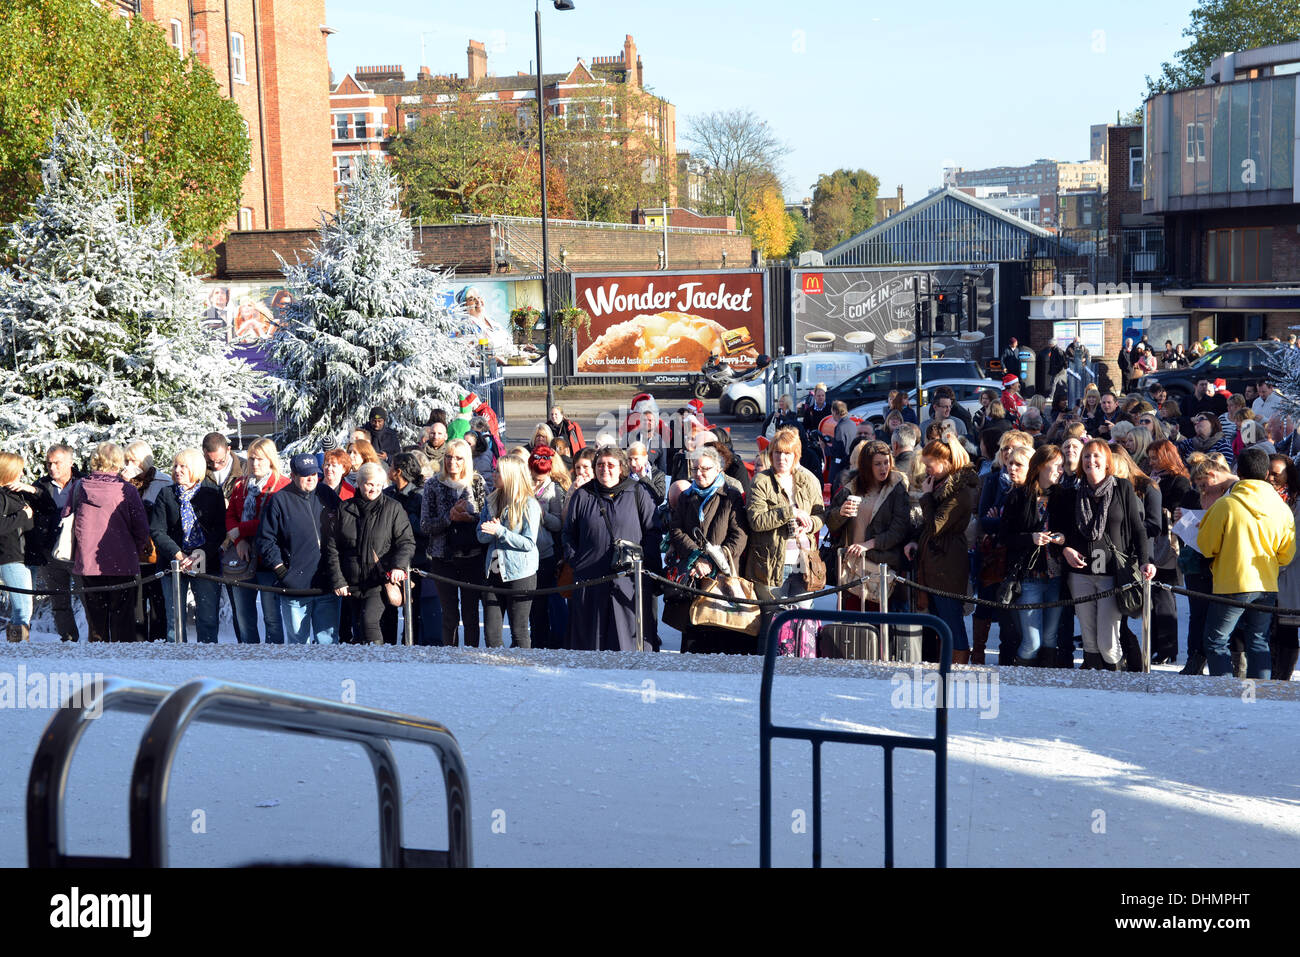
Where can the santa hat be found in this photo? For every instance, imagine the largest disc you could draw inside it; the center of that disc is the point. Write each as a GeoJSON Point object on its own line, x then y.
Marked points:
{"type": "Point", "coordinates": [641, 397]}
{"type": "Point", "coordinates": [1009, 380]}
{"type": "Point", "coordinates": [467, 403]}
{"type": "Point", "coordinates": [697, 405]}
{"type": "Point", "coordinates": [1220, 385]}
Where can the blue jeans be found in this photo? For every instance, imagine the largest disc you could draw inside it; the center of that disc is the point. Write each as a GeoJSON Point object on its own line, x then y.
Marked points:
{"type": "Point", "coordinates": [1038, 626]}
{"type": "Point", "coordinates": [308, 621]}
{"type": "Point", "coordinates": [950, 611]}
{"type": "Point", "coordinates": [1220, 620]}
{"type": "Point", "coordinates": [246, 611]}
{"type": "Point", "coordinates": [430, 620]}
{"type": "Point", "coordinates": [207, 601]}
{"type": "Point", "coordinates": [20, 606]}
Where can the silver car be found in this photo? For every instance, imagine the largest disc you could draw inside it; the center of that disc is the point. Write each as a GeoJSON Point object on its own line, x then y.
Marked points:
{"type": "Point", "coordinates": [967, 392]}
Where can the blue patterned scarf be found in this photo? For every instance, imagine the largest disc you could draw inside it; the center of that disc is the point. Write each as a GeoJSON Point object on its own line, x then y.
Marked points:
{"type": "Point", "coordinates": [707, 492]}
{"type": "Point", "coordinates": [190, 527]}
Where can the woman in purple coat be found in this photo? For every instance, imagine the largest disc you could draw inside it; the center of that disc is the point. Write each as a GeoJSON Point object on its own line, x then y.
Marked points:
{"type": "Point", "coordinates": [110, 533]}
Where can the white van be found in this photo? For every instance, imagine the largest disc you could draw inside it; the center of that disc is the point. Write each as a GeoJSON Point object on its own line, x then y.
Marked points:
{"type": "Point", "coordinates": [747, 399]}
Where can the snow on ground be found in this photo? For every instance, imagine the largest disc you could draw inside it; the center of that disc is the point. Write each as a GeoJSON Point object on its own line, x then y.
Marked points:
{"type": "Point", "coordinates": [580, 759]}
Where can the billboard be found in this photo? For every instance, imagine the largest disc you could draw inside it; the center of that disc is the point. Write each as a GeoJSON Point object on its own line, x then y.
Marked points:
{"type": "Point", "coordinates": [873, 310]}
{"type": "Point", "coordinates": [487, 304]}
{"type": "Point", "coordinates": [670, 322]}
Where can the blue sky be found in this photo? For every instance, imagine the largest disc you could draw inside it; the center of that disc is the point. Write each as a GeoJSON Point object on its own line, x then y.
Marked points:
{"type": "Point", "coordinates": [900, 89]}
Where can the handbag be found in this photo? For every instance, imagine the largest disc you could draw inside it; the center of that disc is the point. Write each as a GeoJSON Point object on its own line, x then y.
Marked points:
{"type": "Point", "coordinates": [1165, 550]}
{"type": "Point", "coordinates": [992, 562]}
{"type": "Point", "coordinates": [61, 554]}
{"type": "Point", "coordinates": [814, 570]}
{"type": "Point", "coordinates": [1009, 587]}
{"type": "Point", "coordinates": [717, 610]}
{"type": "Point", "coordinates": [564, 576]}
{"type": "Point", "coordinates": [1128, 601]}
{"type": "Point", "coordinates": [237, 569]}
{"type": "Point", "coordinates": [394, 594]}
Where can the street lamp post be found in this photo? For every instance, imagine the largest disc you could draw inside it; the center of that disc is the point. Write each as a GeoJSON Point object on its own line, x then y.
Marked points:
{"type": "Point", "coordinates": [541, 146]}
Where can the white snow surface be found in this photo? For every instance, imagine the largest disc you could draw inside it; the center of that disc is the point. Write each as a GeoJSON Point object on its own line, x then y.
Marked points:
{"type": "Point", "coordinates": [579, 759]}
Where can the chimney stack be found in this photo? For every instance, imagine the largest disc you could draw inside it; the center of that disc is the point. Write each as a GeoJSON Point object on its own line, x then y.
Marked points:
{"type": "Point", "coordinates": [631, 63]}
{"type": "Point", "coordinates": [477, 62]}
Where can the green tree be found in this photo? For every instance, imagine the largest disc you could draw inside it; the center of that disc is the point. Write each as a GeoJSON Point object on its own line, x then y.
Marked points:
{"type": "Point", "coordinates": [803, 235]}
{"type": "Point", "coordinates": [189, 144]}
{"type": "Point", "coordinates": [1223, 26]}
{"type": "Point", "coordinates": [844, 204]}
{"type": "Point", "coordinates": [473, 158]}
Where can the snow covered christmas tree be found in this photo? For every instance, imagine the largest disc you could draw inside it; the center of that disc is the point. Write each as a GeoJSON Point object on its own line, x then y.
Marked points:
{"type": "Point", "coordinates": [99, 324]}
{"type": "Point", "coordinates": [368, 325]}
{"type": "Point", "coordinates": [1284, 369]}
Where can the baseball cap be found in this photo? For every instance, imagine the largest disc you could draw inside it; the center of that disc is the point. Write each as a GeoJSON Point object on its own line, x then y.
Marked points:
{"type": "Point", "coordinates": [304, 464]}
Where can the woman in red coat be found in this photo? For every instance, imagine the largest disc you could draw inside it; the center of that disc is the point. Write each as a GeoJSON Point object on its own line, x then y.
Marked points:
{"type": "Point", "coordinates": [243, 516]}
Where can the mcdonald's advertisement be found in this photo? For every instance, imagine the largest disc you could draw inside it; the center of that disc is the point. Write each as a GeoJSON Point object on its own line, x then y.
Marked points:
{"type": "Point", "coordinates": [666, 322]}
{"type": "Point", "coordinates": [874, 310]}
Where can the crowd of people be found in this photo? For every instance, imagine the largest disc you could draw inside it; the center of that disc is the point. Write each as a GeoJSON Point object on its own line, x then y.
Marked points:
{"type": "Point", "coordinates": [1021, 502]}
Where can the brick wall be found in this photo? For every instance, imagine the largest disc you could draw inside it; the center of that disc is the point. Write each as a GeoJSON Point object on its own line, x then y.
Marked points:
{"type": "Point", "coordinates": [1108, 377]}
{"type": "Point", "coordinates": [252, 255]}
{"type": "Point", "coordinates": [595, 249]}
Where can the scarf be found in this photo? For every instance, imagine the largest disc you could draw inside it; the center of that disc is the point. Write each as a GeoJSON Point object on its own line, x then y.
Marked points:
{"type": "Point", "coordinates": [192, 536]}
{"type": "Point", "coordinates": [707, 492]}
{"type": "Point", "coordinates": [252, 492]}
{"type": "Point", "coordinates": [460, 485]}
{"type": "Point", "coordinates": [1092, 506]}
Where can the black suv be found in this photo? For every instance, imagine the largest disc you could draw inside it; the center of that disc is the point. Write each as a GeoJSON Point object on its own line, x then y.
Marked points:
{"type": "Point", "coordinates": [877, 382]}
{"type": "Point", "coordinates": [1237, 363]}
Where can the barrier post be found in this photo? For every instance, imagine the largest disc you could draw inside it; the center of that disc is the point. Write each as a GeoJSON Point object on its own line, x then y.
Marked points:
{"type": "Point", "coordinates": [640, 609]}
{"type": "Point", "coordinates": [408, 625]}
{"type": "Point", "coordinates": [178, 607]}
{"type": "Point", "coordinates": [884, 610]}
{"type": "Point", "coordinates": [1146, 624]}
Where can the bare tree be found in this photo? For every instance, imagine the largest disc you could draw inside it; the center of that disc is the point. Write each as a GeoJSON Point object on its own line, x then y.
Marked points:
{"type": "Point", "coordinates": [742, 154]}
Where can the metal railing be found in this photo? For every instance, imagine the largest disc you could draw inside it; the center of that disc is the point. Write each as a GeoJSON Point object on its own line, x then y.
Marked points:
{"type": "Point", "coordinates": [818, 736]}
{"type": "Point", "coordinates": [243, 706]}
{"type": "Point", "coordinates": [591, 224]}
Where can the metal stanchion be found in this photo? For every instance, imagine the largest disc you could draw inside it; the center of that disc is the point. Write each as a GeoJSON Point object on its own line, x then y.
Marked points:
{"type": "Point", "coordinates": [407, 606]}
{"type": "Point", "coordinates": [1146, 624]}
{"type": "Point", "coordinates": [636, 584]}
{"type": "Point", "coordinates": [885, 653]}
{"type": "Point", "coordinates": [178, 606]}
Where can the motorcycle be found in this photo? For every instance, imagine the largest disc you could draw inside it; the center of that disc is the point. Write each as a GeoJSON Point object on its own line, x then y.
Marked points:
{"type": "Point", "coordinates": [713, 379]}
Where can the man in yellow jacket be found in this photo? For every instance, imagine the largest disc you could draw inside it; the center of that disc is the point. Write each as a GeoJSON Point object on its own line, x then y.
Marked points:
{"type": "Point", "coordinates": [1248, 534]}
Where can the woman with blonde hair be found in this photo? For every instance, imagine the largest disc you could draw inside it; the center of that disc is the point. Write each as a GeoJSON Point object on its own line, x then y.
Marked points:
{"type": "Point", "coordinates": [542, 435]}
{"type": "Point", "coordinates": [110, 530]}
{"type": "Point", "coordinates": [16, 517]}
{"type": "Point", "coordinates": [453, 501]}
{"type": "Point", "coordinates": [949, 496]}
{"type": "Point", "coordinates": [509, 527]}
{"type": "Point", "coordinates": [243, 517]}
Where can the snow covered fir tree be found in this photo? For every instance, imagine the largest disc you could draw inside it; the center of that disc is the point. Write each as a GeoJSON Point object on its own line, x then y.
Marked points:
{"type": "Point", "coordinates": [368, 325]}
{"type": "Point", "coordinates": [100, 337]}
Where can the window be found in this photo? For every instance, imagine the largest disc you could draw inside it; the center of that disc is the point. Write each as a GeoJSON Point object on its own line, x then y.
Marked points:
{"type": "Point", "coordinates": [412, 120]}
{"type": "Point", "coordinates": [1087, 218]}
{"type": "Point", "coordinates": [176, 36]}
{"type": "Point", "coordinates": [340, 126]}
{"type": "Point", "coordinates": [237, 66]}
{"type": "Point", "coordinates": [1239, 255]}
{"type": "Point", "coordinates": [343, 169]}
{"type": "Point", "coordinates": [358, 126]}
{"type": "Point", "coordinates": [1135, 167]}
{"type": "Point", "coordinates": [1195, 142]}
{"type": "Point", "coordinates": [245, 219]}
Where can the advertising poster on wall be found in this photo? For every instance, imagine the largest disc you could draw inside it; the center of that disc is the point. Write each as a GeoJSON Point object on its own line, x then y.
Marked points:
{"type": "Point", "coordinates": [873, 311]}
{"type": "Point", "coordinates": [670, 322]}
{"type": "Point", "coordinates": [487, 304]}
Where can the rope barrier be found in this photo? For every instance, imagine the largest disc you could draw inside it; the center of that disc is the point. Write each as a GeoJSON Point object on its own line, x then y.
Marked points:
{"type": "Point", "coordinates": [988, 603]}
{"type": "Point", "coordinates": [761, 602]}
{"type": "Point", "coordinates": [1231, 602]}
{"type": "Point", "coordinates": [533, 593]}
{"type": "Point", "coordinates": [135, 582]}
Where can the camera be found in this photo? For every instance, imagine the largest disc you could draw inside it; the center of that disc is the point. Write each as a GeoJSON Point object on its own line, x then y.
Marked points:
{"type": "Point", "coordinates": [625, 553]}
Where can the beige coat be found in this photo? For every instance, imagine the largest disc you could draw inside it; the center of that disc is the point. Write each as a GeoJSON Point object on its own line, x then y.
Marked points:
{"type": "Point", "coordinates": [770, 511]}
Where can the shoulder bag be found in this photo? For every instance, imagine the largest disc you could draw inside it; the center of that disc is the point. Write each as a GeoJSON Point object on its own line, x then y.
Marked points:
{"type": "Point", "coordinates": [61, 554]}
{"type": "Point", "coordinates": [718, 611]}
{"type": "Point", "coordinates": [1128, 601]}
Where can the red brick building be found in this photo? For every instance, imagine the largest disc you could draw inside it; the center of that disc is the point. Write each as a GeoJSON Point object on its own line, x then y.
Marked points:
{"type": "Point", "coordinates": [369, 106]}
{"type": "Point", "coordinates": [268, 56]}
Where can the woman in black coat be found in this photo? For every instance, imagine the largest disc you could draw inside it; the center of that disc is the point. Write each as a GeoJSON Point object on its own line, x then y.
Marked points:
{"type": "Point", "coordinates": [1102, 512]}
{"type": "Point", "coordinates": [708, 523]}
{"type": "Point", "coordinates": [871, 514]}
{"type": "Point", "coordinates": [610, 507]}
{"type": "Point", "coordinates": [179, 532]}
{"type": "Point", "coordinates": [371, 544]}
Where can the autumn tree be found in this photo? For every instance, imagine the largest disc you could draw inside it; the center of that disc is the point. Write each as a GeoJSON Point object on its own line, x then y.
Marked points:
{"type": "Point", "coordinates": [803, 235]}
{"type": "Point", "coordinates": [844, 204]}
{"type": "Point", "coordinates": [473, 158]}
{"type": "Point", "coordinates": [189, 144]}
{"type": "Point", "coordinates": [769, 225]}
{"type": "Point", "coordinates": [1221, 26]}
{"type": "Point", "coordinates": [742, 156]}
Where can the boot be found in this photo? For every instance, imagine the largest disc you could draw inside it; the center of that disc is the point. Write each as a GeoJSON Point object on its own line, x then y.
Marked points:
{"type": "Point", "coordinates": [1286, 662]}
{"type": "Point", "coordinates": [1104, 665]}
{"type": "Point", "coordinates": [25, 632]}
{"type": "Point", "coordinates": [1132, 648]}
{"type": "Point", "coordinates": [980, 638]}
{"type": "Point", "coordinates": [1195, 664]}
{"type": "Point", "coordinates": [1047, 658]}
{"type": "Point", "coordinates": [961, 657]}
{"type": "Point", "coordinates": [14, 633]}
{"type": "Point", "coordinates": [1238, 664]}
{"type": "Point", "coordinates": [1025, 662]}
{"type": "Point", "coordinates": [1092, 661]}
{"type": "Point", "coordinates": [1065, 656]}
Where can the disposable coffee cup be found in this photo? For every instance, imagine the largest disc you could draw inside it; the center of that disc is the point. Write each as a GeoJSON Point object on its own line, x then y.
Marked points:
{"type": "Point", "coordinates": [818, 341]}
{"type": "Point", "coordinates": [854, 501]}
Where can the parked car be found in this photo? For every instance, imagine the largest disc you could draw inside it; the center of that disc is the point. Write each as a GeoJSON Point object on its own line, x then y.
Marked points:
{"type": "Point", "coordinates": [747, 398]}
{"type": "Point", "coordinates": [875, 384]}
{"type": "Point", "coordinates": [967, 392]}
{"type": "Point", "coordinates": [1238, 363]}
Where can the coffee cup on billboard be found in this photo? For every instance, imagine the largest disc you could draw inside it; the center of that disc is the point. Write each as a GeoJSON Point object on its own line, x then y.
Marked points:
{"type": "Point", "coordinates": [818, 341]}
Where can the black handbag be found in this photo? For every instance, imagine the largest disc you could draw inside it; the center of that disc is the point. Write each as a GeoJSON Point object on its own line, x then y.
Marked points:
{"type": "Point", "coordinates": [1128, 601]}
{"type": "Point", "coordinates": [1009, 588]}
